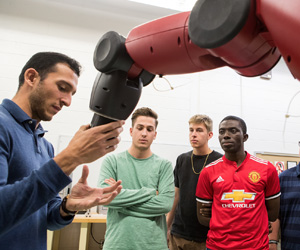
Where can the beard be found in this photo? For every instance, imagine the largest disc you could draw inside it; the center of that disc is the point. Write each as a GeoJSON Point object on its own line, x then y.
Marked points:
{"type": "Point", "coordinates": [38, 106]}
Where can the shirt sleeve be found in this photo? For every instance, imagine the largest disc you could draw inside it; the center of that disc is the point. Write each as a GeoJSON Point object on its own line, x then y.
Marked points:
{"type": "Point", "coordinates": [176, 179]}
{"type": "Point", "coordinates": [273, 185]}
{"type": "Point", "coordinates": [204, 191]}
{"type": "Point", "coordinates": [162, 202]}
{"type": "Point", "coordinates": [54, 220]}
{"type": "Point", "coordinates": [23, 198]}
{"type": "Point", "coordinates": [127, 197]}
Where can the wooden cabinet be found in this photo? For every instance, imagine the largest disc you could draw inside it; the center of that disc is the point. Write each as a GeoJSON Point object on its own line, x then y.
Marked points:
{"type": "Point", "coordinates": [82, 234]}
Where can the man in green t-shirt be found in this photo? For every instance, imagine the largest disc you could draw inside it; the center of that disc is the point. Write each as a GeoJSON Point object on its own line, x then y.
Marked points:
{"type": "Point", "coordinates": [136, 218]}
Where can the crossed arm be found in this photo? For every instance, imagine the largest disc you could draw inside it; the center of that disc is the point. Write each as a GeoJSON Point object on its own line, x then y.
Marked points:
{"type": "Point", "coordinates": [146, 201]}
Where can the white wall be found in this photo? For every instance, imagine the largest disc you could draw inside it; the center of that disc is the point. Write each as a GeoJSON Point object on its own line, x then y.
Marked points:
{"type": "Point", "coordinates": [29, 26]}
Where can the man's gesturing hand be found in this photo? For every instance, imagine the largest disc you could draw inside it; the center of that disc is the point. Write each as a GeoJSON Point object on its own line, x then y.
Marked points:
{"type": "Point", "coordinates": [83, 197]}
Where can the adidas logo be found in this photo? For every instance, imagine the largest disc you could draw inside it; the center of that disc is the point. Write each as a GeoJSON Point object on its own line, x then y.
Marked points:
{"type": "Point", "coordinates": [219, 179]}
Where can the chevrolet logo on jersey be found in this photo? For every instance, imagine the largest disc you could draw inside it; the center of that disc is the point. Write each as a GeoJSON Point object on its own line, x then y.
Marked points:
{"type": "Point", "coordinates": [238, 196]}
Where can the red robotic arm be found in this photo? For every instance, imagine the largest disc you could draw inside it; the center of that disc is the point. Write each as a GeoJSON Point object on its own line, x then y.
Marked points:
{"type": "Point", "coordinates": [248, 36]}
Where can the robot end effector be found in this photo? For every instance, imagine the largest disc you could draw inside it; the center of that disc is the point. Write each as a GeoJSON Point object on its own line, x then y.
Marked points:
{"type": "Point", "coordinates": [118, 88]}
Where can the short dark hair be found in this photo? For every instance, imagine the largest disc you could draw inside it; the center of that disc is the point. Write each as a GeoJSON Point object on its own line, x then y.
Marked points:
{"type": "Point", "coordinates": [240, 120]}
{"type": "Point", "coordinates": [45, 62]}
{"type": "Point", "coordinates": [144, 112]}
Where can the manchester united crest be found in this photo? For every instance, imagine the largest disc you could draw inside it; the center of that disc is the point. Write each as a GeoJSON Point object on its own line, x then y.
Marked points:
{"type": "Point", "coordinates": [254, 176]}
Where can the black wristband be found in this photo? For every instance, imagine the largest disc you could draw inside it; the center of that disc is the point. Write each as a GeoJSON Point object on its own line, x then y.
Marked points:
{"type": "Point", "coordinates": [273, 242]}
{"type": "Point", "coordinates": [63, 207]}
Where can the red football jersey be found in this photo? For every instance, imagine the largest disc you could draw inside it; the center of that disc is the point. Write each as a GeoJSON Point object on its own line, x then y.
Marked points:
{"type": "Point", "coordinates": [239, 215]}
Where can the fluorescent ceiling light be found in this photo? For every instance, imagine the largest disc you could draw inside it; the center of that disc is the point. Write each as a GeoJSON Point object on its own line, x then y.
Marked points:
{"type": "Point", "coordinates": [180, 5]}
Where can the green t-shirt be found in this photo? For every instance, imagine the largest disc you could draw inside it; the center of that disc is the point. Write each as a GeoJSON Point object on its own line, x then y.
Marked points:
{"type": "Point", "coordinates": [136, 217]}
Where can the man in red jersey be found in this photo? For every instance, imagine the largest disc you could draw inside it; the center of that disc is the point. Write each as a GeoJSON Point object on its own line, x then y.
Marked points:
{"type": "Point", "coordinates": [243, 190]}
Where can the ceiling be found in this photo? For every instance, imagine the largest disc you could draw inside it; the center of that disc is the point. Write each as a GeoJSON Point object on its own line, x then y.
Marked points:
{"type": "Point", "coordinates": [115, 6]}
{"type": "Point", "coordinates": [85, 13]}
{"type": "Point", "coordinates": [124, 8]}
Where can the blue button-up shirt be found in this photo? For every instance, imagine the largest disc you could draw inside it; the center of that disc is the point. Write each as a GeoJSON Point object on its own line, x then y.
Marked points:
{"type": "Point", "coordinates": [29, 182]}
